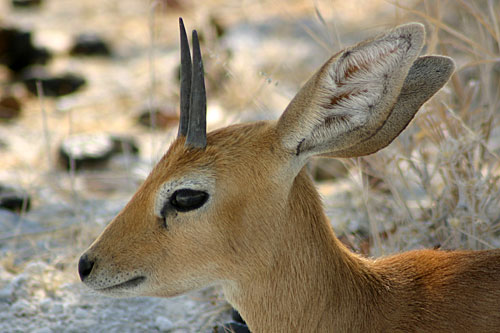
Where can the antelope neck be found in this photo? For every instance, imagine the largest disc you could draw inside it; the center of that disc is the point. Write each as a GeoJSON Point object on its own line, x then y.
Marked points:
{"type": "Point", "coordinates": [312, 272]}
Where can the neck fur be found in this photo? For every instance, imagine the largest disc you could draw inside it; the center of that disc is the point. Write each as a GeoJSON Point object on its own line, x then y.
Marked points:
{"type": "Point", "coordinates": [311, 285]}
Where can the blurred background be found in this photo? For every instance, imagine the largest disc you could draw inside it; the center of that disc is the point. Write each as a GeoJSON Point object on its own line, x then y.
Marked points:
{"type": "Point", "coordinates": [89, 96]}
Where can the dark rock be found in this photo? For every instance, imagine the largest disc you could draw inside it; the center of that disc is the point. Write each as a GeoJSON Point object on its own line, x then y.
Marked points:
{"type": "Point", "coordinates": [52, 86]}
{"type": "Point", "coordinates": [125, 145]}
{"type": "Point", "coordinates": [17, 50]}
{"type": "Point", "coordinates": [93, 150]}
{"type": "Point", "coordinates": [85, 150]}
{"type": "Point", "coordinates": [90, 45]}
{"type": "Point", "coordinates": [10, 107]}
{"type": "Point", "coordinates": [158, 117]}
{"type": "Point", "coordinates": [26, 3]}
{"type": "Point", "coordinates": [14, 199]}
{"type": "Point", "coordinates": [174, 4]}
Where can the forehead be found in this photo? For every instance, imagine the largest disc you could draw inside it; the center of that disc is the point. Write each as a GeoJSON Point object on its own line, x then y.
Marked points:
{"type": "Point", "coordinates": [230, 148]}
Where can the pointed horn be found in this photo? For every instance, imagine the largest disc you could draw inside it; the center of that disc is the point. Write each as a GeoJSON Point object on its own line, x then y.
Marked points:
{"type": "Point", "coordinates": [185, 81]}
{"type": "Point", "coordinates": [197, 128]}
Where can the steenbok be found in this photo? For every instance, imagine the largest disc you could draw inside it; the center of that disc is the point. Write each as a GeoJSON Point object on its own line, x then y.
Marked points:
{"type": "Point", "coordinates": [236, 207]}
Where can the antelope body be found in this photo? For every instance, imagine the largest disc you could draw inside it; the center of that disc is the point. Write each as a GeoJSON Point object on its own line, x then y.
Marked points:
{"type": "Point", "coordinates": [237, 208]}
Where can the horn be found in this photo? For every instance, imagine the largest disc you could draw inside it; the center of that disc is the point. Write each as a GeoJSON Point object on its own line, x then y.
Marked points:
{"type": "Point", "coordinates": [185, 81]}
{"type": "Point", "coordinates": [197, 127]}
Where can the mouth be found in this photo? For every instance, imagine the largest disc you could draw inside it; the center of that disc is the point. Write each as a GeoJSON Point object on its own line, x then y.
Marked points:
{"type": "Point", "coordinates": [129, 284]}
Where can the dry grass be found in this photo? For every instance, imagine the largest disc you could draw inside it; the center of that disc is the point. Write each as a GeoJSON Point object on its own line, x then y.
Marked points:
{"type": "Point", "coordinates": [442, 174]}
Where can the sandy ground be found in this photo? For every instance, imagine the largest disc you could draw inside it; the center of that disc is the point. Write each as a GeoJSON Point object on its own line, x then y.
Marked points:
{"type": "Point", "coordinates": [26, 305]}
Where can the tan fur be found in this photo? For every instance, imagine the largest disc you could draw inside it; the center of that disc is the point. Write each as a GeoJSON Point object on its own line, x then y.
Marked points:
{"type": "Point", "coordinates": [263, 236]}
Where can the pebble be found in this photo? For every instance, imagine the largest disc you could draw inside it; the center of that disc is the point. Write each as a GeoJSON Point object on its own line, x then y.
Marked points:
{"type": "Point", "coordinates": [88, 150]}
{"type": "Point", "coordinates": [85, 150]}
{"type": "Point", "coordinates": [125, 144]}
{"type": "Point", "coordinates": [57, 309]}
{"type": "Point", "coordinates": [158, 117]}
{"type": "Point", "coordinates": [19, 281]}
{"type": "Point", "coordinates": [45, 305]}
{"type": "Point", "coordinates": [6, 294]}
{"type": "Point", "coordinates": [10, 107]}
{"type": "Point", "coordinates": [18, 51]}
{"type": "Point", "coordinates": [163, 324]}
{"type": "Point", "coordinates": [26, 3]}
{"type": "Point", "coordinates": [23, 308]}
{"type": "Point", "coordinates": [14, 199]}
{"type": "Point", "coordinates": [36, 267]}
{"type": "Point", "coordinates": [80, 313]}
{"type": "Point", "coordinates": [52, 85]}
{"type": "Point", "coordinates": [90, 45]}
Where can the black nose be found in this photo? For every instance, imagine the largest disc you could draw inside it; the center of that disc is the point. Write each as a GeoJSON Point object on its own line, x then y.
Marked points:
{"type": "Point", "coordinates": [85, 266]}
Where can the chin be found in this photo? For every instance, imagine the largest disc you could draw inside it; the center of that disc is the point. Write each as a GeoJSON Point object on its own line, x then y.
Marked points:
{"type": "Point", "coordinates": [130, 288]}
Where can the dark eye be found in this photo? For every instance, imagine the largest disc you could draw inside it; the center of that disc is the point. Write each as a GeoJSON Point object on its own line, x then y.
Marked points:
{"type": "Point", "coordinates": [185, 200]}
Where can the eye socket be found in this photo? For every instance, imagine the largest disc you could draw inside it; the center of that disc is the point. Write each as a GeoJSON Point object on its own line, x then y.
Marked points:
{"type": "Point", "coordinates": [184, 200]}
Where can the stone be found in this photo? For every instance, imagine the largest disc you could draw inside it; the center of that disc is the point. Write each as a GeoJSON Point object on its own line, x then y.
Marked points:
{"type": "Point", "coordinates": [163, 324]}
{"type": "Point", "coordinates": [80, 313]}
{"type": "Point", "coordinates": [57, 309]}
{"type": "Point", "coordinates": [10, 107]}
{"type": "Point", "coordinates": [52, 85]}
{"type": "Point", "coordinates": [26, 3]}
{"type": "Point", "coordinates": [14, 199]}
{"type": "Point", "coordinates": [23, 308]}
{"type": "Point", "coordinates": [124, 145]}
{"type": "Point", "coordinates": [36, 268]}
{"type": "Point", "coordinates": [90, 45]}
{"type": "Point", "coordinates": [93, 150]}
{"type": "Point", "coordinates": [85, 150]}
{"type": "Point", "coordinates": [158, 117]}
{"type": "Point", "coordinates": [6, 294]}
{"type": "Point", "coordinates": [45, 305]}
{"type": "Point", "coordinates": [17, 51]}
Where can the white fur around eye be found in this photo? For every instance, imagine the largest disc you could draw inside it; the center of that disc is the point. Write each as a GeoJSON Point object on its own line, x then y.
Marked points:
{"type": "Point", "coordinates": [193, 182]}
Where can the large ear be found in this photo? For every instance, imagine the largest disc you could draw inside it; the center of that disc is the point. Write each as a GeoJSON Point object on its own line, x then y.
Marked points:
{"type": "Point", "coordinates": [352, 95]}
{"type": "Point", "coordinates": [426, 76]}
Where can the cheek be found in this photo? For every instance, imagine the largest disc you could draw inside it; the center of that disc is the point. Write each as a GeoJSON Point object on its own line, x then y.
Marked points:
{"type": "Point", "coordinates": [188, 243]}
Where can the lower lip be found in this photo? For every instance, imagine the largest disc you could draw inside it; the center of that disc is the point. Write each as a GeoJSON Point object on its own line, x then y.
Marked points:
{"type": "Point", "coordinates": [132, 283]}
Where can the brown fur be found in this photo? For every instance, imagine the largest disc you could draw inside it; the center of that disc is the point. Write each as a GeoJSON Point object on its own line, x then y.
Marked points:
{"type": "Point", "coordinates": [263, 235]}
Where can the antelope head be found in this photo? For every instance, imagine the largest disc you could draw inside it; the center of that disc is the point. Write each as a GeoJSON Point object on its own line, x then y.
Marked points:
{"type": "Point", "coordinates": [224, 207]}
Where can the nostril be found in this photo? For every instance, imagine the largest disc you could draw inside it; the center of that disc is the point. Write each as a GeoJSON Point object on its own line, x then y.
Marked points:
{"type": "Point", "coordinates": [85, 266]}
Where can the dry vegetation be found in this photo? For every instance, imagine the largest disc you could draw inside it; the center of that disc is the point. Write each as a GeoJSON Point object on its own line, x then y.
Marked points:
{"type": "Point", "coordinates": [442, 175]}
{"type": "Point", "coordinates": [435, 186]}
